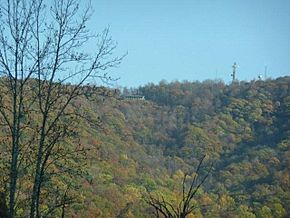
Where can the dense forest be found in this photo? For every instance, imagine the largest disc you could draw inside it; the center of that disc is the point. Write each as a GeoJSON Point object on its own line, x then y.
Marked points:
{"type": "Point", "coordinates": [69, 148]}
{"type": "Point", "coordinates": [122, 150]}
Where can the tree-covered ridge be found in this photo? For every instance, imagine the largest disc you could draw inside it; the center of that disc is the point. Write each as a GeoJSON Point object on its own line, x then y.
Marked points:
{"type": "Point", "coordinates": [138, 147]}
{"type": "Point", "coordinates": [243, 127]}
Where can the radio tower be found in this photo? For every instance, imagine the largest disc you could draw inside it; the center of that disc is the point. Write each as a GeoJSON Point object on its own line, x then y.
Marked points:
{"type": "Point", "coordinates": [234, 71]}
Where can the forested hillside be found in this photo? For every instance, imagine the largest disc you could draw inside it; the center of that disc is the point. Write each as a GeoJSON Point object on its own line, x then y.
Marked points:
{"type": "Point", "coordinates": [135, 147]}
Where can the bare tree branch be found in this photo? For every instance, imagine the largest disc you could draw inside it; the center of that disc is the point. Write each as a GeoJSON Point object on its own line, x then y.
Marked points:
{"type": "Point", "coordinates": [185, 206]}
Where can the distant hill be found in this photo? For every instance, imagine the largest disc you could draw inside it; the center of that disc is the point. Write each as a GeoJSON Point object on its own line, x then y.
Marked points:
{"type": "Point", "coordinates": [148, 146]}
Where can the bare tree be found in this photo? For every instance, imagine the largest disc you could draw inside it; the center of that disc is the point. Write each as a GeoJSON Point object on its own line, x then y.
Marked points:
{"type": "Point", "coordinates": [40, 51]}
{"type": "Point", "coordinates": [166, 209]}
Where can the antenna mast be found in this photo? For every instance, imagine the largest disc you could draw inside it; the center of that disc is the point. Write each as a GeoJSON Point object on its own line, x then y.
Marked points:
{"type": "Point", "coordinates": [234, 71]}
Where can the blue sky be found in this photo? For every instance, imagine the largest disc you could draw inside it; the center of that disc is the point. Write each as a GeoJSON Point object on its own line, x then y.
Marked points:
{"type": "Point", "coordinates": [196, 39]}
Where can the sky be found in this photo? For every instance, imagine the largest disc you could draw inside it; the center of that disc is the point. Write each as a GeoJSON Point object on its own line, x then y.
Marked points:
{"type": "Point", "coordinates": [196, 39]}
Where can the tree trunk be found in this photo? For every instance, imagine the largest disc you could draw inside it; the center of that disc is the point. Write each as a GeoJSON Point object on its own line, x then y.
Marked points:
{"type": "Point", "coordinates": [13, 180]}
{"type": "Point", "coordinates": [36, 185]}
{"type": "Point", "coordinates": [15, 151]}
{"type": "Point", "coordinates": [37, 178]}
